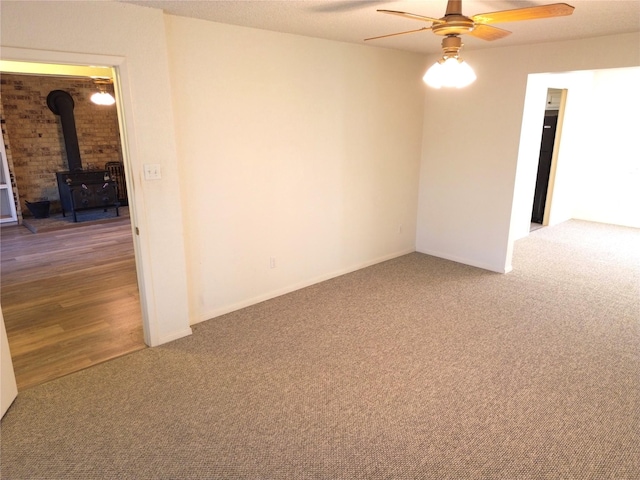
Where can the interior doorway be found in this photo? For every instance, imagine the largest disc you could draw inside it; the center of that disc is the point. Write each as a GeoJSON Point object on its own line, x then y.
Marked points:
{"type": "Point", "coordinates": [46, 326]}
{"type": "Point", "coordinates": [546, 158]}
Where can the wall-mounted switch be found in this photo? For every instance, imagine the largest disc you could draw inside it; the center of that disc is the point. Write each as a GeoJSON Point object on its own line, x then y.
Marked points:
{"type": "Point", "coordinates": [152, 171]}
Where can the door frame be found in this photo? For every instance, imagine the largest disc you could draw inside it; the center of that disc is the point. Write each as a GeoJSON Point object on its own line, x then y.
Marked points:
{"type": "Point", "coordinates": [554, 157]}
{"type": "Point", "coordinates": [8, 385]}
{"type": "Point", "coordinates": [118, 67]}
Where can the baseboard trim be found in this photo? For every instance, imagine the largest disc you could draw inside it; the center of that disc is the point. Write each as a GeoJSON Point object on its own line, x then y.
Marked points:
{"type": "Point", "coordinates": [292, 288]}
{"type": "Point", "coordinates": [470, 262]}
{"type": "Point", "coordinates": [174, 336]}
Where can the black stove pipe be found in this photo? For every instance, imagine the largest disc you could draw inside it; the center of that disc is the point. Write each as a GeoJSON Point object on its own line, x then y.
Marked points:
{"type": "Point", "coordinates": [61, 103]}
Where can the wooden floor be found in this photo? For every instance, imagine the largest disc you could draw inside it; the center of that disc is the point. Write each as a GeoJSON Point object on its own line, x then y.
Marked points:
{"type": "Point", "coordinates": [69, 298]}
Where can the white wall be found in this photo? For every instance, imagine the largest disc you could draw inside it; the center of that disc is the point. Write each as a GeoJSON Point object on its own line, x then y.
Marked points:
{"type": "Point", "coordinates": [468, 192]}
{"type": "Point", "coordinates": [599, 158]}
{"type": "Point", "coordinates": [134, 39]}
{"type": "Point", "coordinates": [607, 177]}
{"type": "Point", "coordinates": [295, 148]}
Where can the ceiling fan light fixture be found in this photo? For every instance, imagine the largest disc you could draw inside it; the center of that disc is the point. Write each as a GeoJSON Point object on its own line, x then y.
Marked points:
{"type": "Point", "coordinates": [449, 72]}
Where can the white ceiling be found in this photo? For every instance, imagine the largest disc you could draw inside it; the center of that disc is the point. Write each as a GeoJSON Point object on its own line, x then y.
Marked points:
{"type": "Point", "coordinates": [353, 21]}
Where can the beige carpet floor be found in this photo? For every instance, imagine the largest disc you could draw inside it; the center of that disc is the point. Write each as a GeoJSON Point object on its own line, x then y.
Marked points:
{"type": "Point", "coordinates": [415, 368]}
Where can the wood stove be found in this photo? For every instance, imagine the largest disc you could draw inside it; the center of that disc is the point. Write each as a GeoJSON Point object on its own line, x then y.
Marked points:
{"type": "Point", "coordinates": [87, 190]}
{"type": "Point", "coordinates": [79, 189]}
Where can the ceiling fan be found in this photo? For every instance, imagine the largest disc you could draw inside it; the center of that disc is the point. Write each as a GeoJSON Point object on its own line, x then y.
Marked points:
{"type": "Point", "coordinates": [454, 24]}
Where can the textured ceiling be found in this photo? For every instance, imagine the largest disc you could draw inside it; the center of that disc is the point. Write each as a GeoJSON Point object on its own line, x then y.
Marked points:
{"type": "Point", "coordinates": [352, 21]}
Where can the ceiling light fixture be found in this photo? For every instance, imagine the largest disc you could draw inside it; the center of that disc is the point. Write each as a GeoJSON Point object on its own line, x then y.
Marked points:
{"type": "Point", "coordinates": [102, 97]}
{"type": "Point", "coordinates": [450, 70]}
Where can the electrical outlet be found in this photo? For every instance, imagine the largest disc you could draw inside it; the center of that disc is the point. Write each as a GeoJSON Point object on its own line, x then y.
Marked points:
{"type": "Point", "coordinates": [152, 171]}
{"type": "Point", "coordinates": [272, 262]}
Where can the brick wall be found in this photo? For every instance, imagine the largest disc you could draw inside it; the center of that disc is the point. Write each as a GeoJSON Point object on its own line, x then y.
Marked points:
{"type": "Point", "coordinates": [35, 134]}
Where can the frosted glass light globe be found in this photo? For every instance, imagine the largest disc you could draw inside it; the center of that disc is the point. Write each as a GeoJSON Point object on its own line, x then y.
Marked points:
{"type": "Point", "coordinates": [450, 72]}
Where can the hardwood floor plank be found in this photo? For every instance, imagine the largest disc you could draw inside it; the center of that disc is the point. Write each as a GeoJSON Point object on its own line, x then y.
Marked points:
{"type": "Point", "coordinates": [69, 298]}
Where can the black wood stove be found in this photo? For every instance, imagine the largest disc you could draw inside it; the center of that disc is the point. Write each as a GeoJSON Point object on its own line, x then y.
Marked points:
{"type": "Point", "coordinates": [87, 190]}
{"type": "Point", "coordinates": [79, 189]}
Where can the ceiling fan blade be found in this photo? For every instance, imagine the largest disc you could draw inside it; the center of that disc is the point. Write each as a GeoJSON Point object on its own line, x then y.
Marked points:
{"type": "Point", "coordinates": [399, 33]}
{"type": "Point", "coordinates": [487, 32]}
{"type": "Point", "coordinates": [529, 13]}
{"type": "Point", "coordinates": [413, 16]}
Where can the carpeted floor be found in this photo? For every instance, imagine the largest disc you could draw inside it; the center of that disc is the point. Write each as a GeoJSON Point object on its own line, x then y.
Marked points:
{"type": "Point", "coordinates": [415, 368]}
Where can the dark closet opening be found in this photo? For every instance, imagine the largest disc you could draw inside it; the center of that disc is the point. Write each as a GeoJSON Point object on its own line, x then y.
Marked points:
{"type": "Point", "coordinates": [544, 165]}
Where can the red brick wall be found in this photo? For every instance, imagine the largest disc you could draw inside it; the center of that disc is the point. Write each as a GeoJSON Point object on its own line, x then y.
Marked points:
{"type": "Point", "coordinates": [35, 134]}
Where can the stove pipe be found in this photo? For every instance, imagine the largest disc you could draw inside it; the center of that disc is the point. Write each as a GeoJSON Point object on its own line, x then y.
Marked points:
{"type": "Point", "coordinates": [61, 103]}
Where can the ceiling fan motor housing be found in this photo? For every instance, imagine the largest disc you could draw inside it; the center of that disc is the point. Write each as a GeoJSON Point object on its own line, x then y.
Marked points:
{"type": "Point", "coordinates": [453, 25]}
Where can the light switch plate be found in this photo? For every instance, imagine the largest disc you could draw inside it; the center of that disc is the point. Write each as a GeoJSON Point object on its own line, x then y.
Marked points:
{"type": "Point", "coordinates": [152, 171]}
